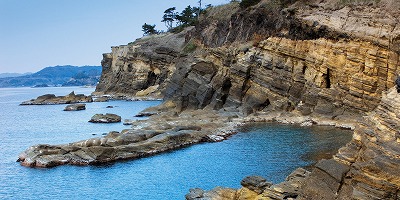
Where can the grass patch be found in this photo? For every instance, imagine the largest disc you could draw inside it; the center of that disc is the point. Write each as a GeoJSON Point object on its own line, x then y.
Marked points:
{"type": "Point", "coordinates": [190, 47]}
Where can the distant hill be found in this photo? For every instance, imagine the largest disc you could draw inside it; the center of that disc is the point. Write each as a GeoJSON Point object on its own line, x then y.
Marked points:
{"type": "Point", "coordinates": [4, 75]}
{"type": "Point", "coordinates": [56, 76]}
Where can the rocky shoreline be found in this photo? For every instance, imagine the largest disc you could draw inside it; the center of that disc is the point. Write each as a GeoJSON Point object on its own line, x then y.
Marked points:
{"type": "Point", "coordinates": [160, 133]}
{"type": "Point", "coordinates": [164, 130]}
{"type": "Point", "coordinates": [339, 177]}
{"type": "Point", "coordinates": [317, 63]}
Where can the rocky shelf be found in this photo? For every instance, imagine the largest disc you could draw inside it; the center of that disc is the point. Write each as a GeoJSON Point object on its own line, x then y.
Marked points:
{"type": "Point", "coordinates": [51, 99]}
{"type": "Point", "coordinates": [325, 62]}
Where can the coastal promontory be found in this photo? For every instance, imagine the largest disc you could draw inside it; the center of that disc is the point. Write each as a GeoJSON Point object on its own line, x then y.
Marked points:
{"type": "Point", "coordinates": [328, 62]}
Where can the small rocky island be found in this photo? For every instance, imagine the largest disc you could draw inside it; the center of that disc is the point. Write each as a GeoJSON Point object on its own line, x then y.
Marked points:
{"type": "Point", "coordinates": [107, 118]}
{"type": "Point", "coordinates": [51, 99]}
{"type": "Point", "coordinates": [327, 62]}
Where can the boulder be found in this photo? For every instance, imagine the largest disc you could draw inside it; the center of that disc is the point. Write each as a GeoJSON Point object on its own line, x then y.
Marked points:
{"type": "Point", "coordinates": [107, 118]}
{"type": "Point", "coordinates": [255, 183]}
{"type": "Point", "coordinates": [398, 84]}
{"type": "Point", "coordinates": [75, 107]}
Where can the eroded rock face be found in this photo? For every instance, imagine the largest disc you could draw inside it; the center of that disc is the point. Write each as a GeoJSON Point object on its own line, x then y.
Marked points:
{"type": "Point", "coordinates": [367, 168]}
{"type": "Point", "coordinates": [51, 99]}
{"type": "Point", "coordinates": [141, 69]}
{"type": "Point", "coordinates": [307, 63]}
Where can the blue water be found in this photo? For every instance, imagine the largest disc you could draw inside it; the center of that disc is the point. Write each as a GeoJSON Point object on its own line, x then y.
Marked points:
{"type": "Point", "coordinates": [269, 150]}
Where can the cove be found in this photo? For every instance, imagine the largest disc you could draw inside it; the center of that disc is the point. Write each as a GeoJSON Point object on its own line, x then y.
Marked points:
{"type": "Point", "coordinates": [268, 150]}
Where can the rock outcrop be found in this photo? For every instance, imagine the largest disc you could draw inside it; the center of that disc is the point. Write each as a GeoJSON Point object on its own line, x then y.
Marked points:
{"type": "Point", "coordinates": [326, 62]}
{"type": "Point", "coordinates": [107, 118]}
{"type": "Point", "coordinates": [141, 69]}
{"type": "Point", "coordinates": [51, 99]}
{"type": "Point", "coordinates": [161, 133]}
{"type": "Point", "coordinates": [75, 107]}
{"type": "Point", "coordinates": [366, 168]}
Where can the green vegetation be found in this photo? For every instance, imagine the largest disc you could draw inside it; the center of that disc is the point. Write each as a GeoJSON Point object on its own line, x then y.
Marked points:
{"type": "Point", "coordinates": [149, 29]}
{"type": "Point", "coordinates": [190, 47]}
{"type": "Point", "coordinates": [188, 17]}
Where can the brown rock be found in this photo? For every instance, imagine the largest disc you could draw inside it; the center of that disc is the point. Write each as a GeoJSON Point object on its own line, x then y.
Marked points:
{"type": "Point", "coordinates": [51, 99]}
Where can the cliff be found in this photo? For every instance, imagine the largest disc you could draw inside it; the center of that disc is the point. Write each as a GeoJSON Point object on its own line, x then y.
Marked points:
{"type": "Point", "coordinates": [142, 68]}
{"type": "Point", "coordinates": [316, 62]}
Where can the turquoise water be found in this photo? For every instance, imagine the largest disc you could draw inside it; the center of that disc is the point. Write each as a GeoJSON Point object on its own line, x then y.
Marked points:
{"type": "Point", "coordinates": [269, 150]}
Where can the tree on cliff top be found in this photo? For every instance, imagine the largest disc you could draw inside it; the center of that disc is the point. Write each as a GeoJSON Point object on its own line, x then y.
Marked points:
{"type": "Point", "coordinates": [149, 29]}
{"type": "Point", "coordinates": [169, 17]}
{"type": "Point", "coordinates": [188, 16]}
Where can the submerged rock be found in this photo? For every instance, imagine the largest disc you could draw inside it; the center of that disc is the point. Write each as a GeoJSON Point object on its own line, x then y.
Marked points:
{"type": "Point", "coordinates": [51, 99]}
{"type": "Point", "coordinates": [107, 118]}
{"type": "Point", "coordinates": [75, 107]}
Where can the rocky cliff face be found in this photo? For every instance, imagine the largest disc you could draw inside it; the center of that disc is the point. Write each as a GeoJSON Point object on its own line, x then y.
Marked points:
{"type": "Point", "coordinates": [141, 68]}
{"type": "Point", "coordinates": [318, 62]}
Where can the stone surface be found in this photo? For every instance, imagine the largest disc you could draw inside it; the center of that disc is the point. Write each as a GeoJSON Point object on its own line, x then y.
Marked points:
{"type": "Point", "coordinates": [51, 99]}
{"type": "Point", "coordinates": [255, 183]}
{"type": "Point", "coordinates": [158, 134]}
{"type": "Point", "coordinates": [105, 118]}
{"type": "Point", "coordinates": [325, 62]}
{"type": "Point", "coordinates": [75, 107]}
{"type": "Point", "coordinates": [141, 69]}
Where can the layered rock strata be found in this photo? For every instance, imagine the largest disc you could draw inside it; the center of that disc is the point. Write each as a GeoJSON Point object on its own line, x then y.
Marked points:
{"type": "Point", "coordinates": [366, 168]}
{"type": "Point", "coordinates": [321, 62]}
{"type": "Point", "coordinates": [141, 69]}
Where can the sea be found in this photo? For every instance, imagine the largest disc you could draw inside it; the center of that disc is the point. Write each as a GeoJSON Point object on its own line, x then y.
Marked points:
{"type": "Point", "coordinates": [269, 150]}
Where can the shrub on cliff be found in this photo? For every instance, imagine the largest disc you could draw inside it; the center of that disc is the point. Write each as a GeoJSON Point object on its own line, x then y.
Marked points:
{"type": "Point", "coordinates": [248, 3]}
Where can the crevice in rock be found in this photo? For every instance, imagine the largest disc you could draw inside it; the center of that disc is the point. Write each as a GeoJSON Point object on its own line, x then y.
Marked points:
{"type": "Point", "coordinates": [226, 86]}
{"type": "Point", "coordinates": [263, 105]}
{"type": "Point", "coordinates": [151, 79]}
{"type": "Point", "coordinates": [130, 68]}
{"type": "Point", "coordinates": [327, 79]}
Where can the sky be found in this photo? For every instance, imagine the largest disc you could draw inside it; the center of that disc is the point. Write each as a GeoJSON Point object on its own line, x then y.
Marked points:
{"type": "Point", "coordinates": [39, 33]}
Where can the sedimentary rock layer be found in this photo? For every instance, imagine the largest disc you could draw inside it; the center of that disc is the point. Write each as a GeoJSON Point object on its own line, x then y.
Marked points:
{"type": "Point", "coordinates": [322, 62]}
{"type": "Point", "coordinates": [142, 68]}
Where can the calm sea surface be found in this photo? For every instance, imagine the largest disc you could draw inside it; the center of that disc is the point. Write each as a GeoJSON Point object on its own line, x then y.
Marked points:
{"type": "Point", "coordinates": [269, 150]}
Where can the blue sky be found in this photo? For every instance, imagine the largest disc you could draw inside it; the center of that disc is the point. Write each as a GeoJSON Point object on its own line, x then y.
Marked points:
{"type": "Point", "coordinates": [38, 33]}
